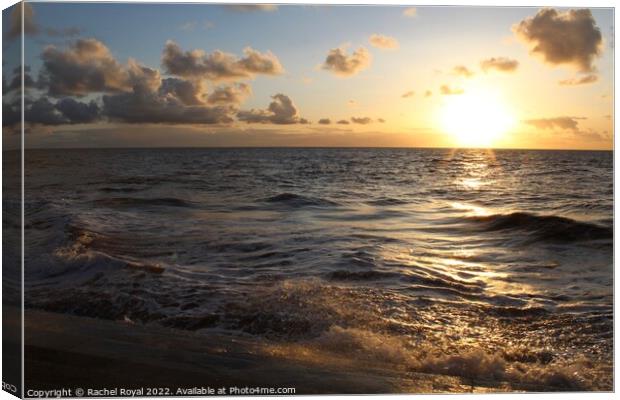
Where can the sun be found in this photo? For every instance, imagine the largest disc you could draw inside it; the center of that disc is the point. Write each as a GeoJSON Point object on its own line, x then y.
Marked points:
{"type": "Point", "coordinates": [477, 118]}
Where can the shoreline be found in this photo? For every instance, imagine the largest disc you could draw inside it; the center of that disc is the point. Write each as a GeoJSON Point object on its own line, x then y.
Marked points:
{"type": "Point", "coordinates": [92, 353]}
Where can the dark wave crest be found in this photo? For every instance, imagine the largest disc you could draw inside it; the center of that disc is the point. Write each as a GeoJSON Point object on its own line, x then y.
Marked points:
{"type": "Point", "coordinates": [545, 227]}
{"type": "Point", "coordinates": [296, 200]}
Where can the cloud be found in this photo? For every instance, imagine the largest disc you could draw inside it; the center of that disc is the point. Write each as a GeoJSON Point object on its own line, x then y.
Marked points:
{"type": "Point", "coordinates": [142, 106]}
{"type": "Point", "coordinates": [11, 113]}
{"type": "Point", "coordinates": [78, 112]}
{"type": "Point", "coordinates": [584, 80]}
{"type": "Point", "coordinates": [325, 121]}
{"type": "Point", "coordinates": [462, 70]}
{"type": "Point", "coordinates": [380, 120]}
{"type": "Point", "coordinates": [343, 122]}
{"type": "Point", "coordinates": [447, 90]}
{"type": "Point", "coordinates": [190, 93]}
{"type": "Point", "coordinates": [567, 123]}
{"type": "Point", "coordinates": [142, 77]}
{"type": "Point", "coordinates": [218, 65]}
{"type": "Point", "coordinates": [408, 94]}
{"type": "Point", "coordinates": [562, 38]}
{"type": "Point", "coordinates": [410, 12]}
{"type": "Point", "coordinates": [428, 93]}
{"type": "Point", "coordinates": [31, 28]}
{"type": "Point", "coordinates": [134, 93]}
{"type": "Point", "coordinates": [15, 21]}
{"type": "Point", "coordinates": [16, 80]}
{"type": "Point", "coordinates": [361, 120]}
{"type": "Point", "coordinates": [500, 64]}
{"type": "Point", "coordinates": [338, 62]}
{"type": "Point", "coordinates": [383, 42]}
{"type": "Point", "coordinates": [44, 112]}
{"type": "Point", "coordinates": [235, 94]}
{"type": "Point", "coordinates": [252, 7]}
{"type": "Point", "coordinates": [86, 66]}
{"type": "Point", "coordinates": [281, 111]}
{"type": "Point", "coordinates": [165, 101]}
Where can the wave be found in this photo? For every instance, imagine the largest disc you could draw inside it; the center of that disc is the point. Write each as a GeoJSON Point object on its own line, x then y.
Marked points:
{"type": "Point", "coordinates": [296, 200]}
{"type": "Point", "coordinates": [121, 202]}
{"type": "Point", "coordinates": [343, 275]}
{"type": "Point", "coordinates": [544, 227]}
{"type": "Point", "coordinates": [120, 189]}
{"type": "Point", "coordinates": [386, 201]}
{"type": "Point", "coordinates": [516, 367]}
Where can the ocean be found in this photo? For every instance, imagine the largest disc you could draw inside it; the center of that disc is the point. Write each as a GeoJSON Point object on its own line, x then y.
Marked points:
{"type": "Point", "coordinates": [489, 265]}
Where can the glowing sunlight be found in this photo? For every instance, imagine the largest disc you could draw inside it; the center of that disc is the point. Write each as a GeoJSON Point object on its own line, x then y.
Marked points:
{"type": "Point", "coordinates": [476, 119]}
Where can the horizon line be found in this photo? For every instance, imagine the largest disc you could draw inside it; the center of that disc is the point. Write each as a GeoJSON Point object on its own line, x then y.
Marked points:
{"type": "Point", "coordinates": [309, 147]}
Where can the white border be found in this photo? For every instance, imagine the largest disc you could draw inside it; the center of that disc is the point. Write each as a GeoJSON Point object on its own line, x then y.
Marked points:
{"type": "Point", "coordinates": [487, 3]}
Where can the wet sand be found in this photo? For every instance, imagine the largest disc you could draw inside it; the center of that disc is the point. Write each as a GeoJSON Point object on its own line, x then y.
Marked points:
{"type": "Point", "coordinates": [74, 352]}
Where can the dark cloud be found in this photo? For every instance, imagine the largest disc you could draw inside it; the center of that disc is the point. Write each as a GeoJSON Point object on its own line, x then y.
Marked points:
{"type": "Point", "coordinates": [281, 111]}
{"type": "Point", "coordinates": [16, 80]}
{"type": "Point", "coordinates": [164, 101]}
{"type": "Point", "coordinates": [567, 123]}
{"type": "Point", "coordinates": [325, 121]}
{"type": "Point", "coordinates": [15, 21]}
{"type": "Point", "coordinates": [361, 120]}
{"type": "Point", "coordinates": [134, 93]}
{"type": "Point", "coordinates": [383, 42]}
{"type": "Point", "coordinates": [44, 112]}
{"type": "Point", "coordinates": [570, 37]}
{"type": "Point", "coordinates": [218, 65]}
{"type": "Point", "coordinates": [343, 122]}
{"type": "Point", "coordinates": [408, 94]}
{"type": "Point", "coordinates": [447, 90]}
{"type": "Point", "coordinates": [338, 62]}
{"type": "Point", "coordinates": [252, 7]}
{"type": "Point", "coordinates": [502, 64]}
{"type": "Point", "coordinates": [78, 112]}
{"type": "Point", "coordinates": [235, 94]}
{"type": "Point", "coordinates": [152, 107]}
{"type": "Point", "coordinates": [11, 112]}
{"type": "Point", "coordinates": [584, 80]}
{"type": "Point", "coordinates": [86, 66]}
{"type": "Point", "coordinates": [462, 70]}
{"type": "Point", "coordinates": [380, 120]}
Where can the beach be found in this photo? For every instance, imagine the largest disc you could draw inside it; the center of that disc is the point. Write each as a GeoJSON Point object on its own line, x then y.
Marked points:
{"type": "Point", "coordinates": [104, 355]}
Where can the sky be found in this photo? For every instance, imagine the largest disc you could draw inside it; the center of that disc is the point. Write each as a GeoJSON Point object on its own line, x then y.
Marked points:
{"type": "Point", "coordinates": [136, 75]}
